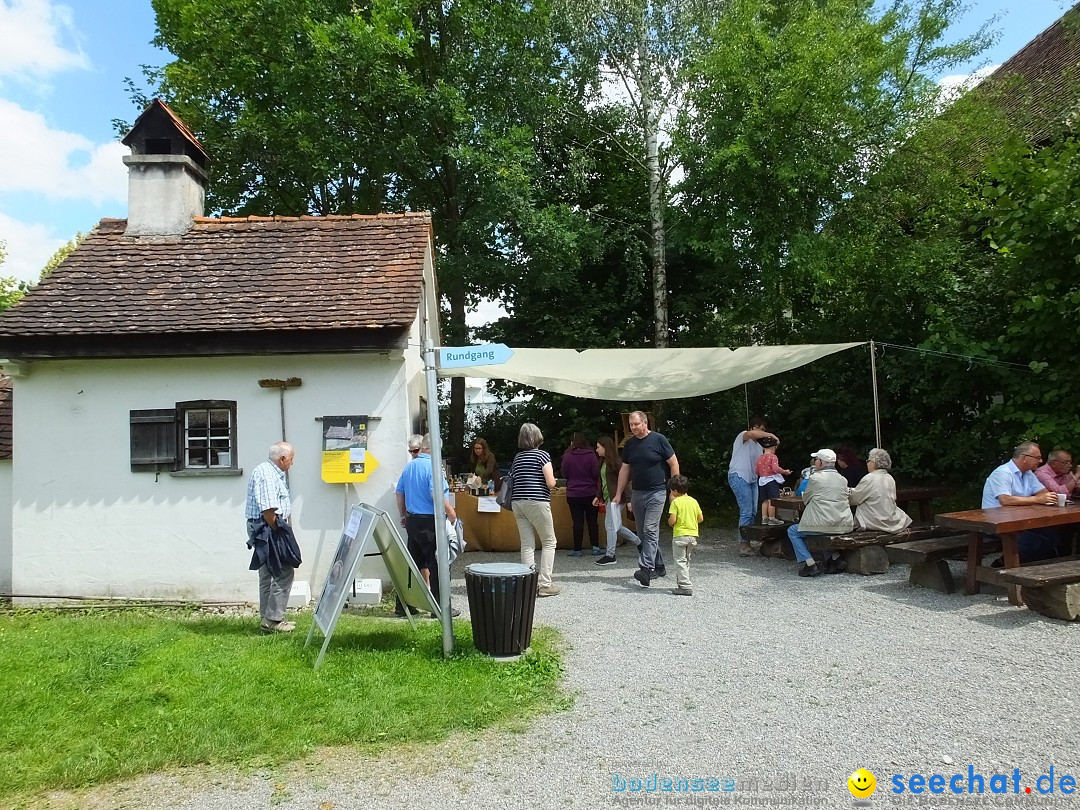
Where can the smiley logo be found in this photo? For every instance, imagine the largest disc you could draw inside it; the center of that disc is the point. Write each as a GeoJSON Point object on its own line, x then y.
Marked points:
{"type": "Point", "coordinates": [862, 784]}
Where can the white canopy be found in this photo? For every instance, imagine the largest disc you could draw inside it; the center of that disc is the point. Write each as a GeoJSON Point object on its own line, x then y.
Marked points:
{"type": "Point", "coordinates": [647, 374]}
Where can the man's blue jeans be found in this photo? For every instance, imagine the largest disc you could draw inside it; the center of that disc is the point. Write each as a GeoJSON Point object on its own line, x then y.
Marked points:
{"type": "Point", "coordinates": [746, 496]}
{"type": "Point", "coordinates": [802, 553]}
{"type": "Point", "coordinates": [648, 507]}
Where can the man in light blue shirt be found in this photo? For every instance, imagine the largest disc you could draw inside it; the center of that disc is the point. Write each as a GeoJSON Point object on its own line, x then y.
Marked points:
{"type": "Point", "coordinates": [415, 493]}
{"type": "Point", "coordinates": [1014, 484]}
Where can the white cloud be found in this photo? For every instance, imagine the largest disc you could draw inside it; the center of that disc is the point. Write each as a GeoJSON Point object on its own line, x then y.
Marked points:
{"type": "Point", "coordinates": [954, 86]}
{"type": "Point", "coordinates": [28, 246]}
{"type": "Point", "coordinates": [31, 34]}
{"type": "Point", "coordinates": [59, 165]}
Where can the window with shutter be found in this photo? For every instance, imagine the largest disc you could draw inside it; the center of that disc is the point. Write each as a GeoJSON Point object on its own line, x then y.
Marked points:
{"type": "Point", "coordinates": [153, 440]}
{"type": "Point", "coordinates": [197, 437]}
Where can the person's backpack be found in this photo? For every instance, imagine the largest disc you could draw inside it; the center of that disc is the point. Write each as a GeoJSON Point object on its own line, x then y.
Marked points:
{"type": "Point", "coordinates": [505, 494]}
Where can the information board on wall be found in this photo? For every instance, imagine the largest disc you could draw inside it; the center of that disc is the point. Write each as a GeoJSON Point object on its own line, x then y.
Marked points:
{"type": "Point", "coordinates": [345, 457]}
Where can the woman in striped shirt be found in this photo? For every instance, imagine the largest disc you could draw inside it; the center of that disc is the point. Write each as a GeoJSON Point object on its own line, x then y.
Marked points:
{"type": "Point", "coordinates": [531, 502]}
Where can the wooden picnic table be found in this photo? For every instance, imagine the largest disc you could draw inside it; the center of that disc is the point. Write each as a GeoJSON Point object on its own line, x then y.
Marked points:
{"type": "Point", "coordinates": [921, 495]}
{"type": "Point", "coordinates": [1005, 522]}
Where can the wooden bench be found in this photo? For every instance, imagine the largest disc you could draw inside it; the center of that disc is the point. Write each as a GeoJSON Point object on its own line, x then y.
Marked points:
{"type": "Point", "coordinates": [773, 540]}
{"type": "Point", "coordinates": [864, 549]}
{"type": "Point", "coordinates": [1051, 588]}
{"type": "Point", "coordinates": [927, 558]}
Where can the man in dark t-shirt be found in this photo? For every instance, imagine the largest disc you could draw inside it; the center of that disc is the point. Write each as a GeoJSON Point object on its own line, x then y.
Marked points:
{"type": "Point", "coordinates": [648, 463]}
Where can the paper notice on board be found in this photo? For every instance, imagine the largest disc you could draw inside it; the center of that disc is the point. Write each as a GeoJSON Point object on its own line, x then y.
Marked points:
{"type": "Point", "coordinates": [487, 503]}
{"type": "Point", "coordinates": [353, 524]}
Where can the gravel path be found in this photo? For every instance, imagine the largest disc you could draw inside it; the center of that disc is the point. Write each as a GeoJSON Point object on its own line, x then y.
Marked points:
{"type": "Point", "coordinates": [784, 685]}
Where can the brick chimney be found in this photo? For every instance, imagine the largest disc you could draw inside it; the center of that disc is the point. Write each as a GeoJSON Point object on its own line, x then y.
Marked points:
{"type": "Point", "coordinates": [166, 174]}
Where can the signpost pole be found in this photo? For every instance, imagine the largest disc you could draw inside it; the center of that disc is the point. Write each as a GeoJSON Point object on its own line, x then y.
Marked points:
{"type": "Point", "coordinates": [438, 478]}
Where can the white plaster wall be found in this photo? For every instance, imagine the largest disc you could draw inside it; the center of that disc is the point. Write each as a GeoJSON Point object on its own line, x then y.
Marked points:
{"type": "Point", "coordinates": [5, 525]}
{"type": "Point", "coordinates": [84, 524]}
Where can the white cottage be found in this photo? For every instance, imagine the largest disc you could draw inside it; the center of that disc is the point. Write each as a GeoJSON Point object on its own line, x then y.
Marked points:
{"type": "Point", "coordinates": [155, 366]}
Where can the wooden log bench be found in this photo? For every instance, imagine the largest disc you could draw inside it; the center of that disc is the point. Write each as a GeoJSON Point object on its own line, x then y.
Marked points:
{"type": "Point", "coordinates": [773, 540]}
{"type": "Point", "coordinates": [1052, 589]}
{"type": "Point", "coordinates": [927, 558]}
{"type": "Point", "coordinates": [865, 550]}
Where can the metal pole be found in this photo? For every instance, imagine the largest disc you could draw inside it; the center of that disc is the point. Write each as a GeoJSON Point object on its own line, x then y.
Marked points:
{"type": "Point", "coordinates": [437, 479]}
{"type": "Point", "coordinates": [873, 377]}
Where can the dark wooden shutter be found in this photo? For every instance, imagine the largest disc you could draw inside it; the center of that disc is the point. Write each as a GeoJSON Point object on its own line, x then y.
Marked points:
{"type": "Point", "coordinates": [153, 440]}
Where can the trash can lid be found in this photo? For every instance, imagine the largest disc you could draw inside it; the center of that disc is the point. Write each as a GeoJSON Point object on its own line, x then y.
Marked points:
{"type": "Point", "coordinates": [498, 569]}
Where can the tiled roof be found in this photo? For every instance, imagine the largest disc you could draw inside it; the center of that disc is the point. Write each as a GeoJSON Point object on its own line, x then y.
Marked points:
{"type": "Point", "coordinates": [1040, 84]}
{"type": "Point", "coordinates": [252, 275]}
{"type": "Point", "coordinates": [5, 417]}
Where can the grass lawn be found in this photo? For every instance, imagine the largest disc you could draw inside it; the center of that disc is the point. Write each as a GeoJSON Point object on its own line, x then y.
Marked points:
{"type": "Point", "coordinates": [90, 697]}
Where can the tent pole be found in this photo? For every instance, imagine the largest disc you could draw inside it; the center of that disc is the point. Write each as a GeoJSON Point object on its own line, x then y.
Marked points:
{"type": "Point", "coordinates": [877, 413]}
{"type": "Point", "coordinates": [746, 397]}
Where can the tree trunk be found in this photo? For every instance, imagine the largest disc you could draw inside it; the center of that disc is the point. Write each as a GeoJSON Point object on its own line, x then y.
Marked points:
{"type": "Point", "coordinates": [651, 126]}
{"type": "Point", "coordinates": [455, 419]}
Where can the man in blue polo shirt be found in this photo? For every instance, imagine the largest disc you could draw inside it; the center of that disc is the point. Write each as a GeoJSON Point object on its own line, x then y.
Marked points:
{"type": "Point", "coordinates": [415, 494]}
{"type": "Point", "coordinates": [1014, 484]}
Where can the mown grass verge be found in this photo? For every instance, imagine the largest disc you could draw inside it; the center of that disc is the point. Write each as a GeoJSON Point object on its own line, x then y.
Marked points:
{"type": "Point", "coordinates": [94, 697]}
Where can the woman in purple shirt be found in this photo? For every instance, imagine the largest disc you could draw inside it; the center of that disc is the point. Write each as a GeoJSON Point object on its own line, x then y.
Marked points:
{"type": "Point", "coordinates": [581, 469]}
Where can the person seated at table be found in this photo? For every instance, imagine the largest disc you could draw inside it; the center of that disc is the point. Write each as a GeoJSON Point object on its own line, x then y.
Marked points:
{"type": "Point", "coordinates": [1058, 474]}
{"type": "Point", "coordinates": [874, 498]}
{"type": "Point", "coordinates": [482, 464]}
{"type": "Point", "coordinates": [826, 512]}
{"type": "Point", "coordinates": [849, 465]}
{"type": "Point", "coordinates": [1014, 484]}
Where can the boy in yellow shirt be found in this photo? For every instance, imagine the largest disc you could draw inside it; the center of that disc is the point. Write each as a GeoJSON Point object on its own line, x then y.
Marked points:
{"type": "Point", "coordinates": [684, 515]}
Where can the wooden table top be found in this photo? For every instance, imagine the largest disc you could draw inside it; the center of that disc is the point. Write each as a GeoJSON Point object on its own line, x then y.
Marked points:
{"type": "Point", "coordinates": [1009, 519]}
{"type": "Point", "coordinates": [920, 493]}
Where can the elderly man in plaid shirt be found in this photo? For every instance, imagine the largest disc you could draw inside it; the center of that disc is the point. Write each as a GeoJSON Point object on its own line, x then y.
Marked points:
{"type": "Point", "coordinates": [268, 500]}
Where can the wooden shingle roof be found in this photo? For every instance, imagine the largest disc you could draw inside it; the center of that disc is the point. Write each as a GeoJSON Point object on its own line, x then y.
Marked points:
{"type": "Point", "coordinates": [259, 277]}
{"type": "Point", "coordinates": [1039, 86]}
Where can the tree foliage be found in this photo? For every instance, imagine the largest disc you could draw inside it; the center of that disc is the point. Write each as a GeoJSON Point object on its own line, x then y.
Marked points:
{"type": "Point", "coordinates": [827, 195]}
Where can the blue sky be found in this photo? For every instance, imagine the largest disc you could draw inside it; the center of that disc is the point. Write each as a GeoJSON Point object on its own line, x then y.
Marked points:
{"type": "Point", "coordinates": [62, 66]}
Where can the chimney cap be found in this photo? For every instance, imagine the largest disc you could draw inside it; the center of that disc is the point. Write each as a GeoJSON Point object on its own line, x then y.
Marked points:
{"type": "Point", "coordinates": [158, 130]}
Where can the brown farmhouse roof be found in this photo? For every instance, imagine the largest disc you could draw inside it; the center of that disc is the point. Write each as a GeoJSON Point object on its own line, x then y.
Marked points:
{"type": "Point", "coordinates": [256, 275]}
{"type": "Point", "coordinates": [1037, 87]}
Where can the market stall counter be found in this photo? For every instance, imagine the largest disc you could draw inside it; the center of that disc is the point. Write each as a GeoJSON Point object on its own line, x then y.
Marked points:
{"type": "Point", "coordinates": [490, 528]}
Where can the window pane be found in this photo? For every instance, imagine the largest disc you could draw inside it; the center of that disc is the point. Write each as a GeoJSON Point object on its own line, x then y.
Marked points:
{"type": "Point", "coordinates": [196, 419]}
{"type": "Point", "coordinates": [219, 418]}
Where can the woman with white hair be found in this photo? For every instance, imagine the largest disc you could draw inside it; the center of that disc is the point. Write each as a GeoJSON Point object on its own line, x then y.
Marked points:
{"type": "Point", "coordinates": [874, 498]}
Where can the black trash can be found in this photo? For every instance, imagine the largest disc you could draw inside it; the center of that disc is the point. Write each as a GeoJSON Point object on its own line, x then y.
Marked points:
{"type": "Point", "coordinates": [502, 598]}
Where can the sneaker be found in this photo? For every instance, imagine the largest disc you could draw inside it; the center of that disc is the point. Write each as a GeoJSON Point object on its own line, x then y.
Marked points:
{"type": "Point", "coordinates": [659, 572]}
{"type": "Point", "coordinates": [576, 552]}
{"type": "Point", "coordinates": [642, 576]}
{"type": "Point", "coordinates": [746, 550]}
{"type": "Point", "coordinates": [597, 551]}
{"type": "Point", "coordinates": [682, 591]}
{"type": "Point", "coordinates": [809, 570]}
{"type": "Point", "coordinates": [607, 559]}
{"type": "Point", "coordinates": [775, 521]}
{"type": "Point", "coordinates": [278, 627]}
{"type": "Point", "coordinates": [550, 590]}
{"type": "Point", "coordinates": [402, 612]}
{"type": "Point", "coordinates": [454, 613]}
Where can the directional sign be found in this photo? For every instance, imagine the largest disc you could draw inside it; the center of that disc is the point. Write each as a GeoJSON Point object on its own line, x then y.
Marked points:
{"type": "Point", "coordinates": [491, 354]}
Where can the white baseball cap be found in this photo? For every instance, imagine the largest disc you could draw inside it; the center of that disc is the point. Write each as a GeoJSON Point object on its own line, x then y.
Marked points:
{"type": "Point", "coordinates": [825, 454]}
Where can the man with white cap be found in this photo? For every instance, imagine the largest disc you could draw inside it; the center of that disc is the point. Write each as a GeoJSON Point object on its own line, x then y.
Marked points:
{"type": "Point", "coordinates": [826, 512]}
